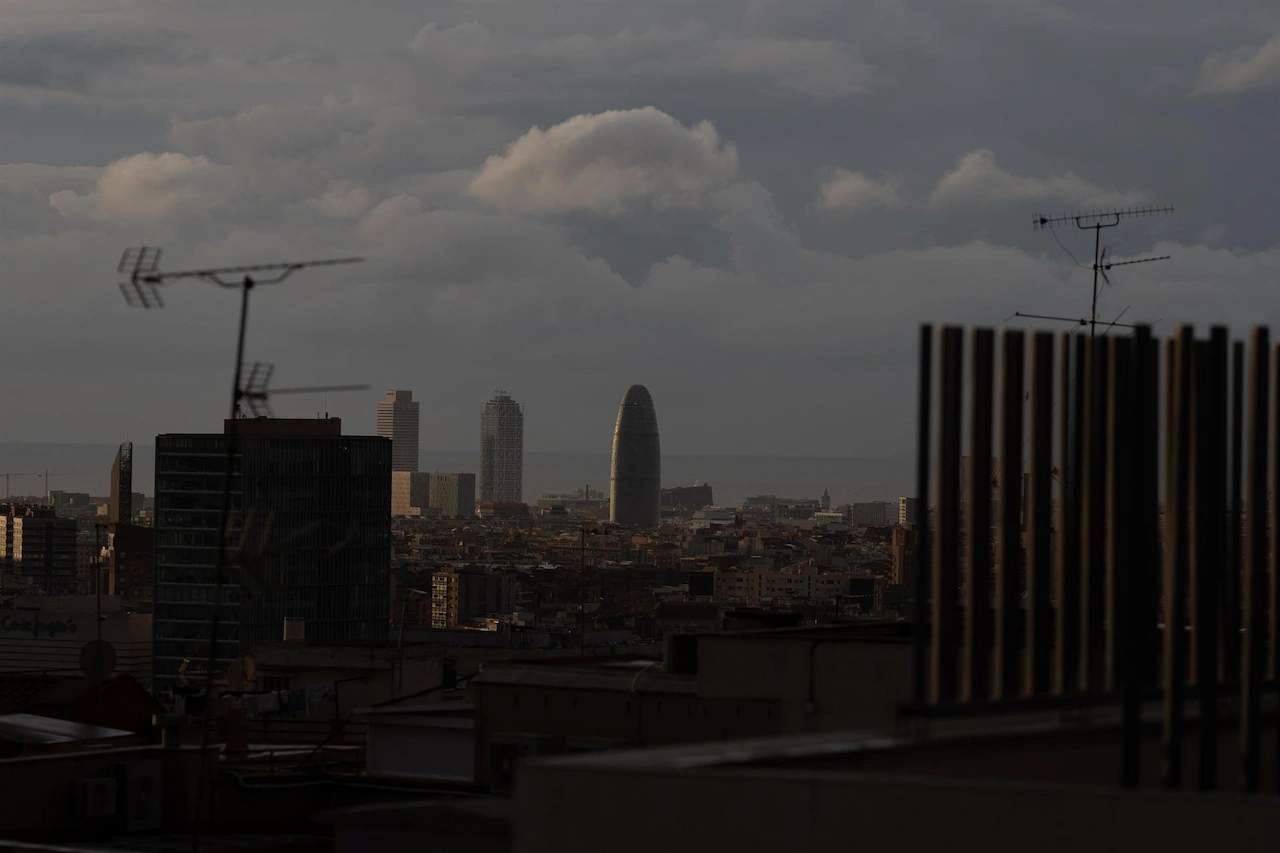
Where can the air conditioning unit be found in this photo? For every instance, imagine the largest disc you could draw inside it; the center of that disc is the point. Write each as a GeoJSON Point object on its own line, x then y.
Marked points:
{"type": "Point", "coordinates": [95, 798]}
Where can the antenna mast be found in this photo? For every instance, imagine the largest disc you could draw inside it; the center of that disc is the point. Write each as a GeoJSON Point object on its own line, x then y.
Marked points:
{"type": "Point", "coordinates": [141, 264]}
{"type": "Point", "coordinates": [1096, 221]}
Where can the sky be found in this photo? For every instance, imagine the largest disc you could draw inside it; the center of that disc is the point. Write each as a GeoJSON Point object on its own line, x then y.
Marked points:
{"type": "Point", "coordinates": [749, 207]}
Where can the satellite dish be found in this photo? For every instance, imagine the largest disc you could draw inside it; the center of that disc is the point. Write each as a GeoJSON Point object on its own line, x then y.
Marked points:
{"type": "Point", "coordinates": [97, 659]}
{"type": "Point", "coordinates": [241, 672]}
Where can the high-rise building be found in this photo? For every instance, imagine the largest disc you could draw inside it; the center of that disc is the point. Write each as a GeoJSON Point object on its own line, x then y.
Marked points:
{"type": "Point", "coordinates": [686, 497]}
{"type": "Point", "coordinates": [453, 495]}
{"type": "Point", "coordinates": [410, 493]}
{"type": "Point", "coordinates": [502, 450]}
{"type": "Point", "coordinates": [120, 506]}
{"type": "Point", "coordinates": [398, 421]}
{"type": "Point", "coordinates": [311, 519]}
{"type": "Point", "coordinates": [906, 511]}
{"type": "Point", "coordinates": [903, 553]}
{"type": "Point", "coordinates": [40, 546]}
{"type": "Point", "coordinates": [415, 493]}
{"type": "Point", "coordinates": [635, 479]}
{"type": "Point", "coordinates": [873, 513]}
{"type": "Point", "coordinates": [462, 594]}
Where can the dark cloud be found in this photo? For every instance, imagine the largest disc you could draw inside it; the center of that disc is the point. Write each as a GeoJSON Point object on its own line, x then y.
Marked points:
{"type": "Point", "coordinates": [811, 180]}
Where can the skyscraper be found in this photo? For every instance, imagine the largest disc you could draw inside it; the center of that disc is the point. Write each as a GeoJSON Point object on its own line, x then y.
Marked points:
{"type": "Point", "coordinates": [635, 478]}
{"type": "Point", "coordinates": [502, 450]}
{"type": "Point", "coordinates": [398, 421]}
{"type": "Point", "coordinates": [313, 509]}
{"type": "Point", "coordinates": [120, 506]}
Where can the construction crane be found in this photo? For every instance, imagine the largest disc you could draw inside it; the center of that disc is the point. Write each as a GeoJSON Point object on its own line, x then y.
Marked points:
{"type": "Point", "coordinates": [46, 474]}
{"type": "Point", "coordinates": [8, 474]}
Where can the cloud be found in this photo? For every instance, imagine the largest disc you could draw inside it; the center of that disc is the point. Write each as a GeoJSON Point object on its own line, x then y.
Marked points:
{"type": "Point", "coordinates": [854, 191]}
{"type": "Point", "coordinates": [977, 179]}
{"type": "Point", "coordinates": [151, 188]}
{"type": "Point", "coordinates": [824, 69]}
{"type": "Point", "coordinates": [607, 163]}
{"type": "Point", "coordinates": [73, 62]}
{"type": "Point", "coordinates": [465, 38]}
{"type": "Point", "coordinates": [1233, 71]}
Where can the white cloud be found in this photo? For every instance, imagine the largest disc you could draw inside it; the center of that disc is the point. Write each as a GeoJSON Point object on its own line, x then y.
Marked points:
{"type": "Point", "coordinates": [607, 163]}
{"type": "Point", "coordinates": [1239, 70]}
{"type": "Point", "coordinates": [977, 179]}
{"type": "Point", "coordinates": [152, 188]}
{"type": "Point", "coordinates": [854, 191]}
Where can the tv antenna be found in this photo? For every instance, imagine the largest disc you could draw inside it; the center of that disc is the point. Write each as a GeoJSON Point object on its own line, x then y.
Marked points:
{"type": "Point", "coordinates": [257, 395]}
{"type": "Point", "coordinates": [1096, 221]}
{"type": "Point", "coordinates": [142, 289]}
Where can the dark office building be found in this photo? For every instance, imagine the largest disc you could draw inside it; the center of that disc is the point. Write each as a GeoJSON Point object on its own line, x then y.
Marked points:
{"type": "Point", "coordinates": [38, 545]}
{"type": "Point", "coordinates": [310, 538]}
{"type": "Point", "coordinates": [687, 497]}
{"type": "Point", "coordinates": [636, 474]}
{"type": "Point", "coordinates": [120, 506]}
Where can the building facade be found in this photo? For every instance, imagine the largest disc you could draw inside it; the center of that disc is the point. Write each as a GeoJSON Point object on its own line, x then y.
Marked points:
{"type": "Point", "coordinates": [47, 634]}
{"type": "Point", "coordinates": [873, 514]}
{"type": "Point", "coordinates": [453, 495]}
{"type": "Point", "coordinates": [686, 497]}
{"type": "Point", "coordinates": [398, 421]}
{"type": "Point", "coordinates": [906, 511]}
{"type": "Point", "coordinates": [39, 548]}
{"type": "Point", "coordinates": [410, 493]}
{"type": "Point", "coordinates": [309, 538]}
{"type": "Point", "coordinates": [635, 477]}
{"type": "Point", "coordinates": [120, 504]}
{"type": "Point", "coordinates": [502, 450]}
{"type": "Point", "coordinates": [463, 595]}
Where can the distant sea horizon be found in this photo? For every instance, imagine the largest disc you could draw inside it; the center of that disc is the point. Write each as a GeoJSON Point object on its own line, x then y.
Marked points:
{"type": "Point", "coordinates": [87, 467]}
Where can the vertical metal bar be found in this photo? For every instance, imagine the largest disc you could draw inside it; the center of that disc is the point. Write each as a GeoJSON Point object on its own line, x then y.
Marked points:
{"type": "Point", "coordinates": [1093, 518]}
{"type": "Point", "coordinates": [1118, 501]}
{"type": "Point", "coordinates": [1254, 588]}
{"type": "Point", "coordinates": [1039, 631]}
{"type": "Point", "coordinates": [1009, 532]}
{"type": "Point", "coordinates": [1176, 562]}
{"type": "Point", "coordinates": [1139, 591]}
{"type": "Point", "coordinates": [1209, 488]}
{"type": "Point", "coordinates": [946, 555]}
{"type": "Point", "coordinates": [1273, 654]}
{"type": "Point", "coordinates": [923, 561]}
{"type": "Point", "coordinates": [1062, 560]}
{"type": "Point", "coordinates": [1068, 590]}
{"type": "Point", "coordinates": [1273, 567]}
{"type": "Point", "coordinates": [977, 618]}
{"type": "Point", "coordinates": [1231, 578]}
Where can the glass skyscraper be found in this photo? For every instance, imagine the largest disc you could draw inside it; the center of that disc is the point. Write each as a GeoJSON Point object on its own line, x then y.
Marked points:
{"type": "Point", "coordinates": [502, 450]}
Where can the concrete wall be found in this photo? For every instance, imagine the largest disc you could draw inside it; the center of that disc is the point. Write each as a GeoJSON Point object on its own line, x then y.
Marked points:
{"type": "Point", "coordinates": [414, 748]}
{"type": "Point", "coordinates": [39, 792]}
{"type": "Point", "coordinates": [560, 808]}
{"type": "Point", "coordinates": [619, 717]}
{"type": "Point", "coordinates": [824, 684]}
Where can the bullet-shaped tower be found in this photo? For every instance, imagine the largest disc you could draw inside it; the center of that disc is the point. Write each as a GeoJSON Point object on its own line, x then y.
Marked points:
{"type": "Point", "coordinates": [635, 477]}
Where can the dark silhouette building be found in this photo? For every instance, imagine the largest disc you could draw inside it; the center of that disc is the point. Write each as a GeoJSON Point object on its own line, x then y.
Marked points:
{"type": "Point", "coordinates": [687, 497]}
{"type": "Point", "coordinates": [120, 508]}
{"type": "Point", "coordinates": [309, 538]}
{"type": "Point", "coordinates": [635, 478]}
